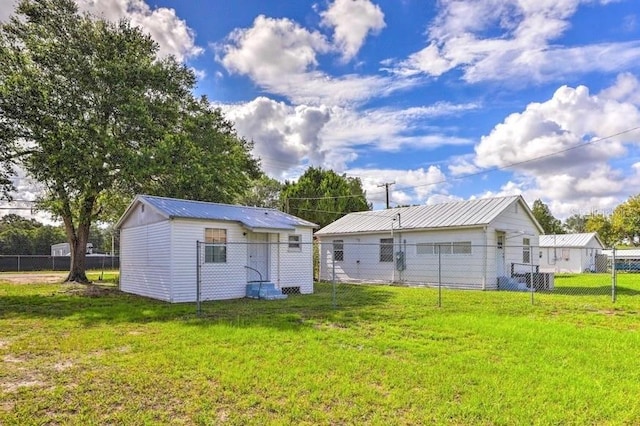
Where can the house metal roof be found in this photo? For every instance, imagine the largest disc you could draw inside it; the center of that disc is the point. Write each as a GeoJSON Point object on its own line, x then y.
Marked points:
{"type": "Point", "coordinates": [250, 217]}
{"type": "Point", "coordinates": [446, 215]}
{"type": "Point", "coordinates": [623, 253]}
{"type": "Point", "coordinates": [569, 240]}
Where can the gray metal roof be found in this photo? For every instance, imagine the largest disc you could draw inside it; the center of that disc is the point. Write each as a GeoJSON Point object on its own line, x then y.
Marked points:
{"type": "Point", "coordinates": [623, 253]}
{"type": "Point", "coordinates": [445, 215]}
{"type": "Point", "coordinates": [569, 240]}
{"type": "Point", "coordinates": [250, 217]}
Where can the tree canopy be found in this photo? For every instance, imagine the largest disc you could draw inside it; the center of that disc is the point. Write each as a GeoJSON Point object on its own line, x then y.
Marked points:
{"type": "Point", "coordinates": [600, 223]}
{"type": "Point", "coordinates": [322, 196]}
{"type": "Point", "coordinates": [625, 221]}
{"type": "Point", "coordinates": [543, 215]}
{"type": "Point", "coordinates": [575, 224]}
{"type": "Point", "coordinates": [91, 112]}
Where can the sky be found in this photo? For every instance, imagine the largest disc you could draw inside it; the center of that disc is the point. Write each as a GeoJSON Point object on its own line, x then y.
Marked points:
{"type": "Point", "coordinates": [448, 99]}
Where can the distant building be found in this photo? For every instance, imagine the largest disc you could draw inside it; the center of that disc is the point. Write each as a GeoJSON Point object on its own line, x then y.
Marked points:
{"type": "Point", "coordinates": [575, 253]}
{"type": "Point", "coordinates": [64, 249]}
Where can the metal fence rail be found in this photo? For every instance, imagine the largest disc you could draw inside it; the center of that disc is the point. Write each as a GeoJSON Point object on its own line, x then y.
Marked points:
{"type": "Point", "coordinates": [20, 263]}
{"type": "Point", "coordinates": [340, 274]}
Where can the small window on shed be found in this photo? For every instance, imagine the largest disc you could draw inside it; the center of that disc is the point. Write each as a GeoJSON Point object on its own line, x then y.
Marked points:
{"type": "Point", "coordinates": [294, 243]}
{"type": "Point", "coordinates": [215, 249]}
{"type": "Point", "coordinates": [338, 250]}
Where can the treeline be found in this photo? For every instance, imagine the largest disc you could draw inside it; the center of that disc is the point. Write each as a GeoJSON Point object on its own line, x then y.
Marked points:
{"type": "Point", "coordinates": [20, 236]}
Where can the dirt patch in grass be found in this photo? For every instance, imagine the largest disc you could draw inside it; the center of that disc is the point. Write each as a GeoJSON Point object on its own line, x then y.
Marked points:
{"type": "Point", "coordinates": [90, 290]}
{"type": "Point", "coordinates": [34, 277]}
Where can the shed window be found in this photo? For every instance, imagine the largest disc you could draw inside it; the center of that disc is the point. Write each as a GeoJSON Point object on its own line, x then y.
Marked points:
{"type": "Point", "coordinates": [215, 250]}
{"type": "Point", "coordinates": [338, 250]}
{"type": "Point", "coordinates": [386, 249]}
{"type": "Point", "coordinates": [294, 243]}
{"type": "Point", "coordinates": [526, 250]}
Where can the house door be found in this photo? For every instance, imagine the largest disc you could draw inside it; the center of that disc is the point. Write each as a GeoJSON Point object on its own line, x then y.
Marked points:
{"type": "Point", "coordinates": [500, 254]}
{"type": "Point", "coordinates": [258, 252]}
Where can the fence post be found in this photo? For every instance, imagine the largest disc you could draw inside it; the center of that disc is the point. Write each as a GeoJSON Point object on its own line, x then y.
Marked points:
{"type": "Point", "coordinates": [531, 276]}
{"type": "Point", "coordinates": [439, 277]}
{"type": "Point", "coordinates": [18, 259]}
{"type": "Point", "coordinates": [614, 276]}
{"type": "Point", "coordinates": [198, 308]}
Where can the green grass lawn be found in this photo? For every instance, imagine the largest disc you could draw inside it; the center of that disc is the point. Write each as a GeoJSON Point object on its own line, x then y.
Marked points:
{"type": "Point", "coordinates": [385, 355]}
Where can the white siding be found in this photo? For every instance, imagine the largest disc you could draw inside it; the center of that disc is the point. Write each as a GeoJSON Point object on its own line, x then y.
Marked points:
{"type": "Point", "coordinates": [293, 268]}
{"type": "Point", "coordinates": [145, 260]}
{"type": "Point", "coordinates": [362, 259]}
{"type": "Point", "coordinates": [219, 280]}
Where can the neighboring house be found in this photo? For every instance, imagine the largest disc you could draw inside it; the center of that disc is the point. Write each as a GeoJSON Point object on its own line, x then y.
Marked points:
{"type": "Point", "coordinates": [468, 244]}
{"type": "Point", "coordinates": [159, 246]}
{"type": "Point", "coordinates": [575, 253]}
{"type": "Point", "coordinates": [64, 249]}
{"type": "Point", "coordinates": [627, 259]}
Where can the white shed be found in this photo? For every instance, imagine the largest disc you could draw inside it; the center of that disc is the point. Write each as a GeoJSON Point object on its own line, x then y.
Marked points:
{"type": "Point", "coordinates": [574, 253]}
{"type": "Point", "coordinates": [468, 244]}
{"type": "Point", "coordinates": [159, 240]}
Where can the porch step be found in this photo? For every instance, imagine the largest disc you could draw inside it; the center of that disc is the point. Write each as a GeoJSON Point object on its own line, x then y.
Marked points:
{"type": "Point", "coordinates": [264, 290]}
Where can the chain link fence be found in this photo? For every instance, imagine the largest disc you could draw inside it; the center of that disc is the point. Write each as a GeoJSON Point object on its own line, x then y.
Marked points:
{"type": "Point", "coordinates": [22, 263]}
{"type": "Point", "coordinates": [337, 274]}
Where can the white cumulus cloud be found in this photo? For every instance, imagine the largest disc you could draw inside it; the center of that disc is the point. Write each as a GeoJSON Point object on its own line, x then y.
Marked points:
{"type": "Point", "coordinates": [352, 21]}
{"type": "Point", "coordinates": [522, 45]}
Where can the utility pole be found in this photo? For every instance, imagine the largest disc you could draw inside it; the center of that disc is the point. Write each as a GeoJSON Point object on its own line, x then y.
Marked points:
{"type": "Point", "coordinates": [387, 185]}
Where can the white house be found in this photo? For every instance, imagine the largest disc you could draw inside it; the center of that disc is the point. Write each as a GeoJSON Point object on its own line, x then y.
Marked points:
{"type": "Point", "coordinates": [575, 253]}
{"type": "Point", "coordinates": [161, 238]}
{"type": "Point", "coordinates": [64, 249]}
{"type": "Point", "coordinates": [468, 244]}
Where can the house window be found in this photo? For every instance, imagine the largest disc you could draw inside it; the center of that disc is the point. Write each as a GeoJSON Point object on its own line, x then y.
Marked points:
{"type": "Point", "coordinates": [338, 250]}
{"type": "Point", "coordinates": [215, 250]}
{"type": "Point", "coordinates": [386, 249]}
{"type": "Point", "coordinates": [294, 243]}
{"type": "Point", "coordinates": [443, 248]}
{"type": "Point", "coordinates": [463, 247]}
{"type": "Point", "coordinates": [526, 250]}
{"type": "Point", "coordinates": [425, 249]}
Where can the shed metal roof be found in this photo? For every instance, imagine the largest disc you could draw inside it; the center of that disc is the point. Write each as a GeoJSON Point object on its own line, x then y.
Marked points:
{"type": "Point", "coordinates": [568, 240]}
{"type": "Point", "coordinates": [445, 215]}
{"type": "Point", "coordinates": [250, 217]}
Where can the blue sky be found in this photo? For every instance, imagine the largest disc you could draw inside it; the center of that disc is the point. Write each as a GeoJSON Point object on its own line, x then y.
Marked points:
{"type": "Point", "coordinates": [449, 99]}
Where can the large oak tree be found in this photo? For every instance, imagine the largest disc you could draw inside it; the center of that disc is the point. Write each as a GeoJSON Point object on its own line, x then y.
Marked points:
{"type": "Point", "coordinates": [89, 110]}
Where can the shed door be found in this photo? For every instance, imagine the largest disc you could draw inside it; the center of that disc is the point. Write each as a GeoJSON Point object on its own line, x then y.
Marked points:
{"type": "Point", "coordinates": [500, 254]}
{"type": "Point", "coordinates": [258, 257]}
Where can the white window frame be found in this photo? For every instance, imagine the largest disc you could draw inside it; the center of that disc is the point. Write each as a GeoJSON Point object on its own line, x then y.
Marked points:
{"type": "Point", "coordinates": [526, 250]}
{"type": "Point", "coordinates": [386, 244]}
{"type": "Point", "coordinates": [215, 249]}
{"type": "Point", "coordinates": [338, 250]}
{"type": "Point", "coordinates": [295, 242]}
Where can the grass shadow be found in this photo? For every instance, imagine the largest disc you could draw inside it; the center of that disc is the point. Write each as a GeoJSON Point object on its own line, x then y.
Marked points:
{"type": "Point", "coordinates": [106, 305]}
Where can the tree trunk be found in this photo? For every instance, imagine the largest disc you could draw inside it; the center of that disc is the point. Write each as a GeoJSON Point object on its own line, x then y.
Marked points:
{"type": "Point", "coordinates": [78, 244]}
